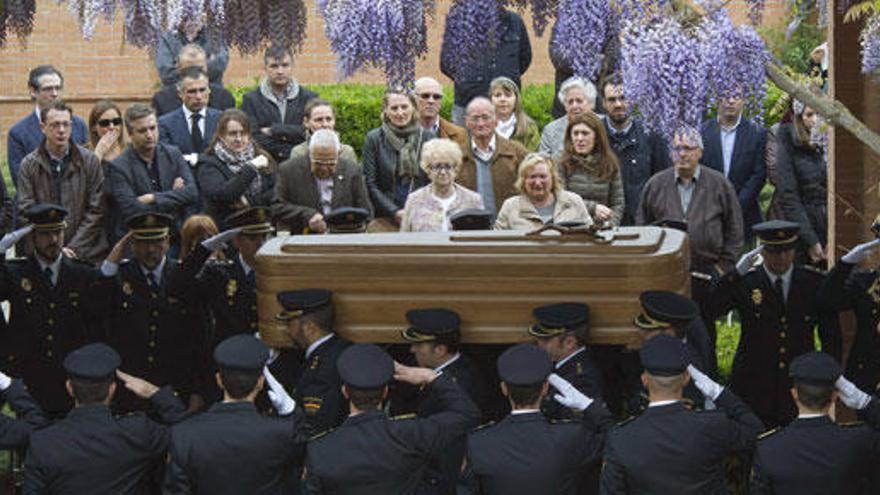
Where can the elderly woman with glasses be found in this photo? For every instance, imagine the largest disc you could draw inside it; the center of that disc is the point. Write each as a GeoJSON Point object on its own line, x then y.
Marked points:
{"type": "Point", "coordinates": [106, 138]}
{"type": "Point", "coordinates": [428, 209]}
{"type": "Point", "coordinates": [542, 199]}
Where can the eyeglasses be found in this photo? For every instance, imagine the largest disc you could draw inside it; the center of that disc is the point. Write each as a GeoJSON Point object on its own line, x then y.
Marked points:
{"type": "Point", "coordinates": [106, 122]}
{"type": "Point", "coordinates": [431, 96]}
{"type": "Point", "coordinates": [679, 149]}
{"type": "Point", "coordinates": [441, 167]}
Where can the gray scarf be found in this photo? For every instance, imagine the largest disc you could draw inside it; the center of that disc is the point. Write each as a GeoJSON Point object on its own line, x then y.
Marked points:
{"type": "Point", "coordinates": [407, 142]}
{"type": "Point", "coordinates": [237, 161]}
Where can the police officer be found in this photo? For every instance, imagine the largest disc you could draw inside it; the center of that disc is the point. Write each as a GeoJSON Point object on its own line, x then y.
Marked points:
{"type": "Point", "coordinates": [526, 452]}
{"type": "Point", "coordinates": [14, 433]}
{"type": "Point", "coordinates": [857, 290]}
{"type": "Point", "coordinates": [51, 308]}
{"type": "Point", "coordinates": [150, 321]}
{"type": "Point", "coordinates": [231, 448]}
{"type": "Point", "coordinates": [91, 451]}
{"type": "Point", "coordinates": [371, 453]}
{"type": "Point", "coordinates": [434, 335]}
{"type": "Point", "coordinates": [310, 316]}
{"type": "Point", "coordinates": [813, 454]}
{"type": "Point", "coordinates": [669, 448]}
{"type": "Point", "coordinates": [778, 306]}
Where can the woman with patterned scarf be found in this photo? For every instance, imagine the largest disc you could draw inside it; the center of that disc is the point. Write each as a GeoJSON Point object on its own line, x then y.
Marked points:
{"type": "Point", "coordinates": [234, 173]}
{"type": "Point", "coordinates": [391, 156]}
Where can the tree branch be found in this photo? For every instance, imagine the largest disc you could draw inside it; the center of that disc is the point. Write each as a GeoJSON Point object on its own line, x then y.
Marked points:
{"type": "Point", "coordinates": [834, 112]}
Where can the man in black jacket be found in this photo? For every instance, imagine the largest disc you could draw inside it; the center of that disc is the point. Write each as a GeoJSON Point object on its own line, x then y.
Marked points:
{"type": "Point", "coordinates": [191, 55]}
{"type": "Point", "coordinates": [276, 106]}
{"type": "Point", "coordinates": [15, 433]}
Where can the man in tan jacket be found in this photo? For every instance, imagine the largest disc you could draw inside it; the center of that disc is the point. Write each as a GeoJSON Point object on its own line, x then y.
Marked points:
{"type": "Point", "coordinates": [429, 98]}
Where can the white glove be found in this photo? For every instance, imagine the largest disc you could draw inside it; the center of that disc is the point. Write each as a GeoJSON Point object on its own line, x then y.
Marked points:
{"type": "Point", "coordinates": [706, 385]}
{"type": "Point", "coordinates": [11, 238]}
{"type": "Point", "coordinates": [279, 397]}
{"type": "Point", "coordinates": [568, 395]}
{"type": "Point", "coordinates": [860, 252]}
{"type": "Point", "coordinates": [5, 381]}
{"type": "Point", "coordinates": [851, 395]}
{"type": "Point", "coordinates": [748, 260]}
{"type": "Point", "coordinates": [218, 241]}
{"type": "Point", "coordinates": [260, 162]}
{"type": "Point", "coordinates": [192, 159]}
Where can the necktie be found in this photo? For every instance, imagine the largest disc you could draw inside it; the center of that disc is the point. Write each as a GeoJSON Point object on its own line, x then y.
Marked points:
{"type": "Point", "coordinates": [48, 273]}
{"type": "Point", "coordinates": [777, 286]}
{"type": "Point", "coordinates": [196, 133]}
{"type": "Point", "coordinates": [151, 279]}
{"type": "Point", "coordinates": [252, 278]}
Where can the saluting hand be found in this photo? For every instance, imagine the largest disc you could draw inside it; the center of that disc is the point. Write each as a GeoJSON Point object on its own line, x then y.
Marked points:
{"type": "Point", "coordinates": [219, 241]}
{"type": "Point", "coordinates": [569, 396]}
{"type": "Point", "coordinates": [851, 395]}
{"type": "Point", "coordinates": [706, 385]}
{"type": "Point", "coordinates": [119, 249]}
{"type": "Point", "coordinates": [281, 400]}
{"type": "Point", "coordinates": [5, 381]}
{"type": "Point", "coordinates": [13, 237]}
{"type": "Point", "coordinates": [138, 386]}
{"type": "Point", "coordinates": [860, 252]}
{"type": "Point", "coordinates": [413, 375]}
{"type": "Point", "coordinates": [748, 260]}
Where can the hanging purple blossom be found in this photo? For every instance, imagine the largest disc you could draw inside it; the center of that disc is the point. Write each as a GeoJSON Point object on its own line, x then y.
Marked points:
{"type": "Point", "coordinates": [284, 23]}
{"type": "Point", "coordinates": [472, 28]}
{"type": "Point", "coordinates": [3, 15]}
{"type": "Point", "coordinates": [870, 42]}
{"type": "Point", "coordinates": [580, 34]}
{"type": "Point", "coordinates": [143, 22]}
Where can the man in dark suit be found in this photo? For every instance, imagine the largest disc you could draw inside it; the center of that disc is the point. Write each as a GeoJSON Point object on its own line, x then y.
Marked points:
{"type": "Point", "coordinates": [735, 146]}
{"type": "Point", "coordinates": [813, 454]}
{"type": "Point", "coordinates": [46, 84]}
{"type": "Point", "coordinates": [669, 448]}
{"type": "Point", "coordinates": [231, 448]}
{"type": "Point", "coordinates": [526, 452]}
{"type": "Point", "coordinates": [371, 453]}
{"type": "Point", "coordinates": [778, 305]}
{"type": "Point", "coordinates": [149, 318]}
{"type": "Point", "coordinates": [310, 317]}
{"type": "Point", "coordinates": [91, 450]}
{"type": "Point", "coordinates": [191, 127]}
{"type": "Point", "coordinates": [191, 55]}
{"type": "Point", "coordinates": [148, 175]}
{"type": "Point", "coordinates": [52, 310]}
{"type": "Point", "coordinates": [309, 187]}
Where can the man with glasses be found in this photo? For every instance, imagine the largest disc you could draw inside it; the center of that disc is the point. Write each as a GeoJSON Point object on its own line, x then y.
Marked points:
{"type": "Point", "coordinates": [46, 84]}
{"type": "Point", "coordinates": [429, 99]}
{"type": "Point", "coordinates": [309, 187]}
{"type": "Point", "coordinates": [64, 173]}
{"type": "Point", "coordinates": [191, 127]}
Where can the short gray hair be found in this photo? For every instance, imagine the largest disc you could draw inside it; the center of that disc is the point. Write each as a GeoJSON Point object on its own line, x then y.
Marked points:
{"type": "Point", "coordinates": [690, 134]}
{"type": "Point", "coordinates": [324, 138]}
{"type": "Point", "coordinates": [480, 99]}
{"type": "Point", "coordinates": [577, 82]}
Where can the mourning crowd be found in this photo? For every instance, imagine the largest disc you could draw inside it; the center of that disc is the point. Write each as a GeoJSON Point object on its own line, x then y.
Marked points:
{"type": "Point", "coordinates": [131, 356]}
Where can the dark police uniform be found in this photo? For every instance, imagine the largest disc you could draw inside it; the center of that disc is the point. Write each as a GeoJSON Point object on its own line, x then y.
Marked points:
{"type": "Point", "coordinates": [47, 321]}
{"type": "Point", "coordinates": [814, 455]}
{"type": "Point", "coordinates": [671, 449]}
{"type": "Point", "coordinates": [775, 330]}
{"type": "Point", "coordinates": [231, 448]}
{"type": "Point", "coordinates": [319, 388]}
{"type": "Point", "coordinates": [155, 328]}
{"type": "Point", "coordinates": [91, 451]}
{"type": "Point", "coordinates": [15, 433]}
{"type": "Point", "coordinates": [526, 453]}
{"type": "Point", "coordinates": [371, 453]}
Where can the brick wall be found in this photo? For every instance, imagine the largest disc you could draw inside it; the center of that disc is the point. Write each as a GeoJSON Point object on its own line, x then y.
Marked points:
{"type": "Point", "coordinates": [106, 67]}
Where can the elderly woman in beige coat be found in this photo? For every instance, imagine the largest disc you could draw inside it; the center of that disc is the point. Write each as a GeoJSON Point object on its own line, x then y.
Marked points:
{"type": "Point", "coordinates": [542, 199]}
{"type": "Point", "coordinates": [428, 209]}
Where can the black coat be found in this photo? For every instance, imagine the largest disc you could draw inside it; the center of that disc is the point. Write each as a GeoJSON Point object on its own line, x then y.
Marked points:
{"type": "Point", "coordinates": [803, 186]}
{"type": "Point", "coordinates": [370, 453]}
{"type": "Point", "coordinates": [167, 100]}
{"type": "Point", "coordinates": [641, 154]}
{"type": "Point", "coordinates": [15, 433]}
{"type": "Point", "coordinates": [93, 452]}
{"type": "Point", "coordinates": [860, 292]}
{"type": "Point", "coordinates": [231, 448]}
{"type": "Point", "coordinates": [222, 189]}
{"type": "Point", "coordinates": [815, 456]}
{"type": "Point", "coordinates": [380, 171]}
{"type": "Point", "coordinates": [282, 135]}
{"type": "Point", "coordinates": [670, 449]}
{"type": "Point", "coordinates": [158, 334]}
{"type": "Point", "coordinates": [319, 389]}
{"type": "Point", "coordinates": [773, 334]}
{"type": "Point", "coordinates": [45, 324]}
{"type": "Point", "coordinates": [529, 454]}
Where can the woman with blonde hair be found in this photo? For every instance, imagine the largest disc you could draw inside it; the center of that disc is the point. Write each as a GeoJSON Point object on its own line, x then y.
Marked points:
{"type": "Point", "coordinates": [512, 121]}
{"type": "Point", "coordinates": [429, 208]}
{"type": "Point", "coordinates": [542, 199]}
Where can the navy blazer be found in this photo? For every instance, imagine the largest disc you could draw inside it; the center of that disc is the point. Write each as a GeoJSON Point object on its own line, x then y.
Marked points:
{"type": "Point", "coordinates": [747, 166]}
{"type": "Point", "coordinates": [25, 136]}
{"type": "Point", "coordinates": [174, 129]}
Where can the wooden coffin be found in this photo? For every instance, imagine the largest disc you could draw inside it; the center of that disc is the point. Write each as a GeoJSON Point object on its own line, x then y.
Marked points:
{"type": "Point", "coordinates": [493, 279]}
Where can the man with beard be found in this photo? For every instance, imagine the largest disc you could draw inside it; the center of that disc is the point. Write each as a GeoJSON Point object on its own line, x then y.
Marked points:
{"type": "Point", "coordinates": [51, 311]}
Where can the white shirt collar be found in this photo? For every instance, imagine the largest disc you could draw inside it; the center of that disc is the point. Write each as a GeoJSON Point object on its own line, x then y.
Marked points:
{"type": "Point", "coordinates": [811, 416]}
{"type": "Point", "coordinates": [188, 115]}
{"type": "Point", "coordinates": [506, 127]}
{"type": "Point", "coordinates": [484, 155]}
{"type": "Point", "coordinates": [735, 126]}
{"type": "Point", "coordinates": [451, 360]}
{"type": "Point", "coordinates": [567, 358]}
{"type": "Point", "coordinates": [55, 266]}
{"type": "Point", "coordinates": [317, 344]}
{"type": "Point", "coordinates": [523, 411]}
{"type": "Point", "coordinates": [157, 272]}
{"type": "Point", "coordinates": [662, 403]}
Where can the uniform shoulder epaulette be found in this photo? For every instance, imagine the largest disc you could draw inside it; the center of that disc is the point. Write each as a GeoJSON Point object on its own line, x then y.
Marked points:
{"type": "Point", "coordinates": [483, 426]}
{"type": "Point", "coordinates": [403, 416]}
{"type": "Point", "coordinates": [811, 268]}
{"type": "Point", "coordinates": [768, 433]}
{"type": "Point", "coordinates": [851, 424]}
{"type": "Point", "coordinates": [321, 434]}
{"type": "Point", "coordinates": [218, 262]}
{"type": "Point", "coordinates": [701, 275]}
